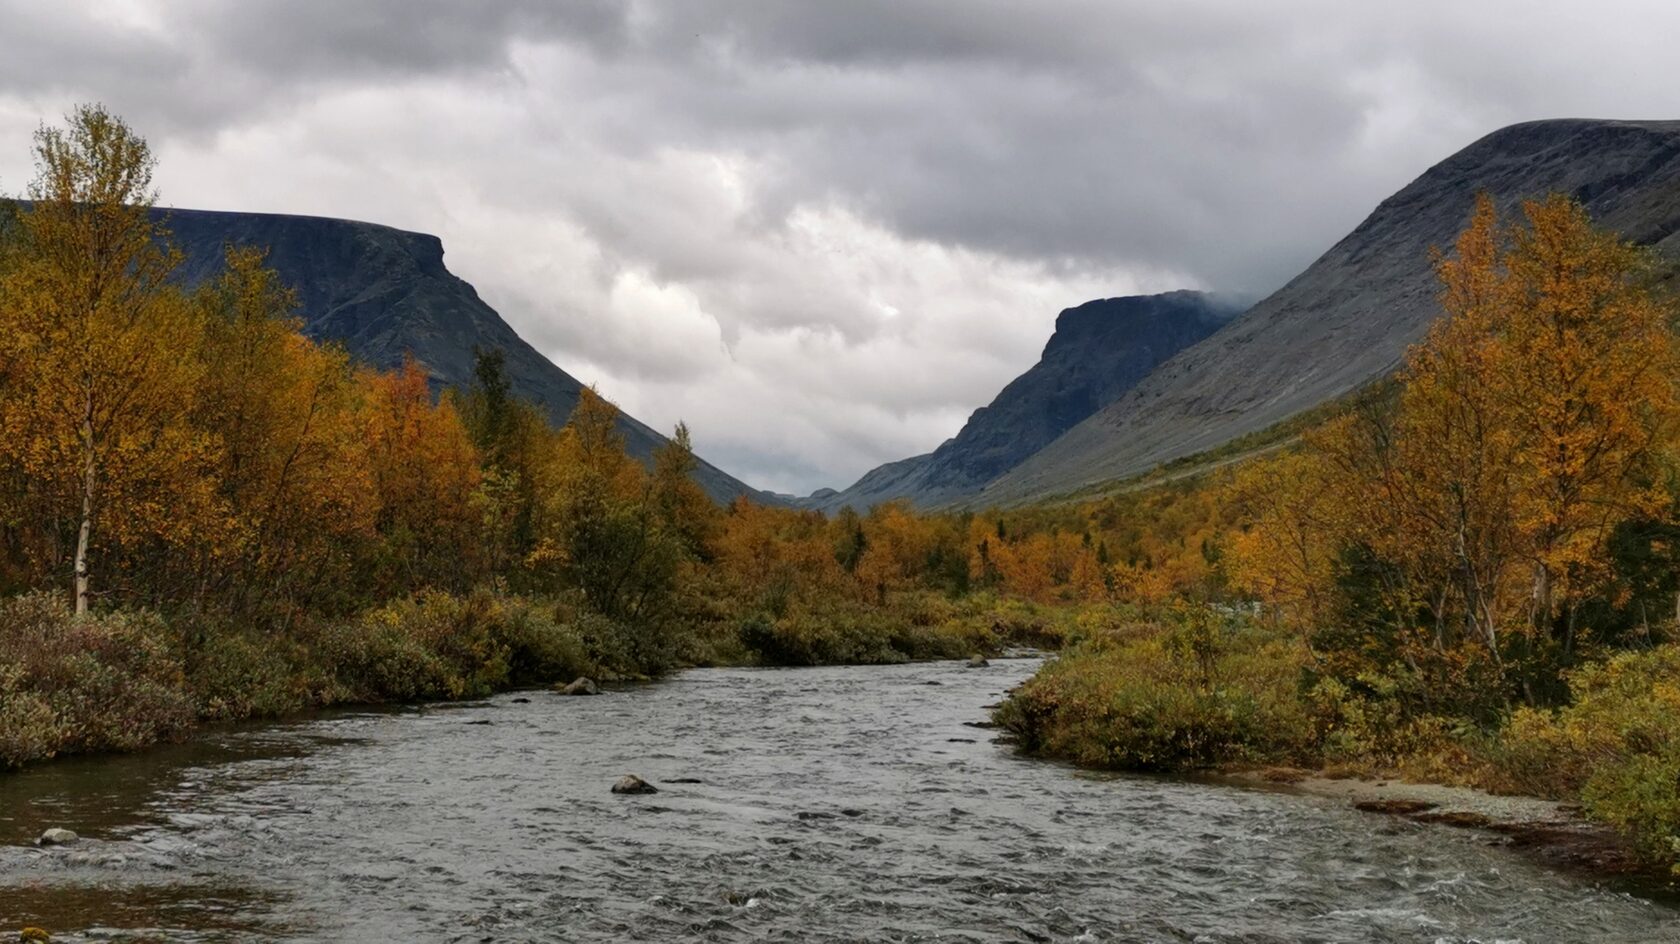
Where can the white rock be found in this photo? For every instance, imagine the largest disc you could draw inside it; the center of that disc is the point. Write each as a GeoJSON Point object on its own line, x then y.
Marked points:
{"type": "Point", "coordinates": [56, 837]}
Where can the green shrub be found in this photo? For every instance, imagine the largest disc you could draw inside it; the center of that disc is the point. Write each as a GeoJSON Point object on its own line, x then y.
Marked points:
{"type": "Point", "coordinates": [842, 637]}
{"type": "Point", "coordinates": [29, 728]}
{"type": "Point", "coordinates": [431, 645]}
{"type": "Point", "coordinates": [120, 681]}
{"type": "Point", "coordinates": [540, 649]}
{"type": "Point", "coordinates": [1617, 747]}
{"type": "Point", "coordinates": [1365, 724]}
{"type": "Point", "coordinates": [1190, 693]}
{"type": "Point", "coordinates": [234, 674]}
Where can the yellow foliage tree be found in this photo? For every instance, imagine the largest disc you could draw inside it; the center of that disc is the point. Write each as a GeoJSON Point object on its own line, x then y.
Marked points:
{"type": "Point", "coordinates": [102, 354]}
{"type": "Point", "coordinates": [425, 473]}
{"type": "Point", "coordinates": [293, 469]}
{"type": "Point", "coordinates": [1530, 423]}
{"type": "Point", "coordinates": [1284, 552]}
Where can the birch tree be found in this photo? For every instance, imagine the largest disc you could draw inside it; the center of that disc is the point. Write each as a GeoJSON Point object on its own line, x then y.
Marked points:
{"type": "Point", "coordinates": [102, 349]}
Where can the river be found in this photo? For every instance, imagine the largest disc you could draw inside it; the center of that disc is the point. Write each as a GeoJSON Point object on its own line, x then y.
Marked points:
{"type": "Point", "coordinates": [835, 804]}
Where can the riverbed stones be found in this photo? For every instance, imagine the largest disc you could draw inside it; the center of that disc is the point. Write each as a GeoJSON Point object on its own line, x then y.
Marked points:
{"type": "Point", "coordinates": [581, 686]}
{"type": "Point", "coordinates": [56, 837]}
{"type": "Point", "coordinates": [977, 661]}
{"type": "Point", "coordinates": [633, 785]}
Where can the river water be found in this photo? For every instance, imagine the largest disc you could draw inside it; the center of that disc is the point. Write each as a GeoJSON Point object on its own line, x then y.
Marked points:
{"type": "Point", "coordinates": [837, 804]}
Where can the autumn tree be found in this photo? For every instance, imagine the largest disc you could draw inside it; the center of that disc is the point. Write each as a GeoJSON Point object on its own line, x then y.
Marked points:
{"type": "Point", "coordinates": [600, 529]}
{"type": "Point", "coordinates": [425, 473]}
{"type": "Point", "coordinates": [1284, 554]}
{"type": "Point", "coordinates": [683, 507]}
{"type": "Point", "coordinates": [779, 559]}
{"type": "Point", "coordinates": [293, 470]}
{"type": "Point", "coordinates": [515, 443]}
{"type": "Point", "coordinates": [1530, 424]}
{"type": "Point", "coordinates": [101, 351]}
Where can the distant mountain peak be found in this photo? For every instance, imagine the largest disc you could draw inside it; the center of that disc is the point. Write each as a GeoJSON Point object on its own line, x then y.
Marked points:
{"type": "Point", "coordinates": [1348, 319]}
{"type": "Point", "coordinates": [1098, 351]}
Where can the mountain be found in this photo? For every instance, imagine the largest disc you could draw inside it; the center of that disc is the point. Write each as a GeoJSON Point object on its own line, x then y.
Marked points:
{"type": "Point", "coordinates": [1098, 351]}
{"type": "Point", "coordinates": [384, 293]}
{"type": "Point", "coordinates": [1349, 318]}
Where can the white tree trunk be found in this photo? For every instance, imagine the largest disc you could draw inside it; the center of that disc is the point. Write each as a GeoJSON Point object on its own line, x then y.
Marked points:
{"type": "Point", "coordinates": [86, 533]}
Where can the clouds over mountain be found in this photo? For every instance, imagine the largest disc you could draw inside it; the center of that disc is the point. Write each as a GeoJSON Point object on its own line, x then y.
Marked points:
{"type": "Point", "coordinates": [820, 232]}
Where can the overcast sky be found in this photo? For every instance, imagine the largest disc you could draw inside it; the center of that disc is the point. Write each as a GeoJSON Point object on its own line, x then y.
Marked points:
{"type": "Point", "coordinates": [823, 232]}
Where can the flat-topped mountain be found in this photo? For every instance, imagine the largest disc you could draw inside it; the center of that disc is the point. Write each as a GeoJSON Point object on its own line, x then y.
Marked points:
{"type": "Point", "coordinates": [1349, 318]}
{"type": "Point", "coordinates": [384, 293]}
{"type": "Point", "coordinates": [1099, 350]}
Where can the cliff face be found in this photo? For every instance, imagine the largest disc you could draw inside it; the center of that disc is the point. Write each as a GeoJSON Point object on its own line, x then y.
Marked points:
{"type": "Point", "coordinates": [384, 293]}
{"type": "Point", "coordinates": [1099, 350]}
{"type": "Point", "coordinates": [1349, 318]}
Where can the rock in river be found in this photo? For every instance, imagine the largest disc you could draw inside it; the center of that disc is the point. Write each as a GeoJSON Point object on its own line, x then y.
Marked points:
{"type": "Point", "coordinates": [580, 686]}
{"type": "Point", "coordinates": [56, 837]}
{"type": "Point", "coordinates": [977, 661]}
{"type": "Point", "coordinates": [630, 783]}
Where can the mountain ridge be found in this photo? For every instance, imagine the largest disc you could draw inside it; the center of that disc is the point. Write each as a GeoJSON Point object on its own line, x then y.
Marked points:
{"type": "Point", "coordinates": [1347, 319]}
{"type": "Point", "coordinates": [385, 293]}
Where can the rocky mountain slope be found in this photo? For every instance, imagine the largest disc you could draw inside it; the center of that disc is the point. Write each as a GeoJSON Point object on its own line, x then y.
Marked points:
{"type": "Point", "coordinates": [384, 292]}
{"type": "Point", "coordinates": [1099, 350]}
{"type": "Point", "coordinates": [1348, 319]}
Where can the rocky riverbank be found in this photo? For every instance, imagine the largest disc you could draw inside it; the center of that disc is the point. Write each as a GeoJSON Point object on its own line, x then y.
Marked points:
{"type": "Point", "coordinates": [1547, 830]}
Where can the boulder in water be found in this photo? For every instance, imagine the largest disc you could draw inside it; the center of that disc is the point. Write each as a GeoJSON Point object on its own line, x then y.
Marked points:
{"type": "Point", "coordinates": [632, 784]}
{"type": "Point", "coordinates": [33, 936]}
{"type": "Point", "coordinates": [581, 686]}
{"type": "Point", "coordinates": [977, 661]}
{"type": "Point", "coordinates": [56, 837]}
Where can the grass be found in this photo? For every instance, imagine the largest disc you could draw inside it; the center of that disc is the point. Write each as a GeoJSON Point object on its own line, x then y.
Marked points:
{"type": "Point", "coordinates": [1279, 435]}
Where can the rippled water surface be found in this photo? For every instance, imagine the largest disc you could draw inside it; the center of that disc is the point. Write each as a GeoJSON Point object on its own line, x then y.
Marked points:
{"type": "Point", "coordinates": [846, 804]}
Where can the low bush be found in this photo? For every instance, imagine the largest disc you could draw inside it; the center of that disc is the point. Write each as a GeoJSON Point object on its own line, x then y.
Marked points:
{"type": "Point", "coordinates": [909, 627]}
{"type": "Point", "coordinates": [1197, 690]}
{"type": "Point", "coordinates": [852, 637]}
{"type": "Point", "coordinates": [1616, 747]}
{"type": "Point", "coordinates": [236, 673]}
{"type": "Point", "coordinates": [121, 681]}
{"type": "Point", "coordinates": [440, 645]}
{"type": "Point", "coordinates": [67, 684]}
{"type": "Point", "coordinates": [540, 648]}
{"type": "Point", "coordinates": [1363, 724]}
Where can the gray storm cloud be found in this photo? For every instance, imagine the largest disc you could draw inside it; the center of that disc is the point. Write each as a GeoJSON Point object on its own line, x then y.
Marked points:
{"type": "Point", "coordinates": [822, 233]}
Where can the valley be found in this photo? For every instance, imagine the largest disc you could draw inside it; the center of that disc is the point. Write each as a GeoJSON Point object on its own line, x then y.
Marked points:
{"type": "Point", "coordinates": [330, 608]}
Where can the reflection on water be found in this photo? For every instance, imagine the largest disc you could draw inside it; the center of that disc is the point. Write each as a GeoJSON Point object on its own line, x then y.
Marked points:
{"type": "Point", "coordinates": [832, 804]}
{"type": "Point", "coordinates": [148, 911]}
{"type": "Point", "coordinates": [108, 797]}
